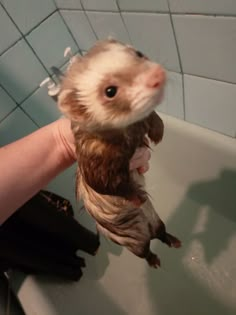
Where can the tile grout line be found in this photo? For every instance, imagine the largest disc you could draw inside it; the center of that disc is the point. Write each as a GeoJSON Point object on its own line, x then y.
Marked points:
{"type": "Point", "coordinates": [24, 38]}
{"type": "Point", "coordinates": [11, 45]}
{"type": "Point", "coordinates": [85, 12]}
{"type": "Point", "coordinates": [29, 95]}
{"type": "Point", "coordinates": [11, 97]}
{"type": "Point", "coordinates": [14, 109]}
{"type": "Point", "coordinates": [9, 113]}
{"type": "Point", "coordinates": [68, 29]}
{"type": "Point", "coordinates": [175, 38]}
{"type": "Point", "coordinates": [34, 52]}
{"type": "Point", "coordinates": [28, 115]}
{"type": "Point", "coordinates": [203, 14]}
{"type": "Point", "coordinates": [207, 78]}
{"type": "Point", "coordinates": [179, 57]}
{"type": "Point", "coordinates": [123, 21]}
{"type": "Point", "coordinates": [38, 87]}
{"type": "Point", "coordinates": [55, 3]}
{"type": "Point", "coordinates": [113, 11]}
{"type": "Point", "coordinates": [183, 90]}
{"type": "Point", "coordinates": [38, 24]}
{"type": "Point", "coordinates": [151, 12]}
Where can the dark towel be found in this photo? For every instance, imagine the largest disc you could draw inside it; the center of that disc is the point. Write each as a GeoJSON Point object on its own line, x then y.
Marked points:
{"type": "Point", "coordinates": [42, 237]}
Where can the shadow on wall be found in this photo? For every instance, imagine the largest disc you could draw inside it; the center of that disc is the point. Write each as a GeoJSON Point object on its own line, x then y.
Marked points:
{"type": "Point", "coordinates": [175, 288]}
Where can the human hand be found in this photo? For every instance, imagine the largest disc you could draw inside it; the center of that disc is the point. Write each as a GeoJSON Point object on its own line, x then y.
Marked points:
{"type": "Point", "coordinates": [64, 138]}
{"type": "Point", "coordinates": [139, 161]}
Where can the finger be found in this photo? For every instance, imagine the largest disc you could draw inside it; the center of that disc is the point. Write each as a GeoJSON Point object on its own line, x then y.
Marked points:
{"type": "Point", "coordinates": [143, 169]}
{"type": "Point", "coordinates": [137, 159]}
{"type": "Point", "coordinates": [142, 158]}
{"type": "Point", "coordinates": [139, 153]}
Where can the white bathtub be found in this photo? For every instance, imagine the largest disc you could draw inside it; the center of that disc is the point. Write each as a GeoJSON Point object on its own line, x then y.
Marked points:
{"type": "Point", "coordinates": [193, 183]}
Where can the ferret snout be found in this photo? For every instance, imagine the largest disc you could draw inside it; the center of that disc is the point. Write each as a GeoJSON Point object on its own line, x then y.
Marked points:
{"type": "Point", "coordinates": [156, 77]}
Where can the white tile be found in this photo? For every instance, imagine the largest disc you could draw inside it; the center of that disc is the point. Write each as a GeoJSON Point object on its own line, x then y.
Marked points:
{"type": "Point", "coordinates": [207, 45]}
{"type": "Point", "coordinates": [80, 28]}
{"type": "Point", "coordinates": [21, 72]}
{"type": "Point", "coordinates": [15, 126]}
{"type": "Point", "coordinates": [6, 104]}
{"type": "Point", "coordinates": [47, 43]}
{"type": "Point", "coordinates": [28, 13]}
{"type": "Point", "coordinates": [108, 24]}
{"type": "Point", "coordinates": [41, 107]}
{"type": "Point", "coordinates": [173, 100]}
{"type": "Point", "coordinates": [8, 32]}
{"type": "Point", "coordinates": [104, 5]}
{"type": "Point", "coordinates": [141, 5]}
{"type": "Point", "coordinates": [211, 104]}
{"type": "Point", "coordinates": [203, 6]}
{"type": "Point", "coordinates": [153, 34]}
{"type": "Point", "coordinates": [68, 4]}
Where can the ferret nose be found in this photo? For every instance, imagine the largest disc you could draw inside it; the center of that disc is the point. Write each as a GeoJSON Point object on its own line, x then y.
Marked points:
{"type": "Point", "coordinates": [156, 77]}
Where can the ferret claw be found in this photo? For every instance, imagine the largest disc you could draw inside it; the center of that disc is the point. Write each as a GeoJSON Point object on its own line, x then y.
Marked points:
{"type": "Point", "coordinates": [153, 260]}
{"type": "Point", "coordinates": [172, 241]}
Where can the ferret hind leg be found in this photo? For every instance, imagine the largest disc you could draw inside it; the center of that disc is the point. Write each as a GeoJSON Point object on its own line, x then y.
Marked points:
{"type": "Point", "coordinates": [157, 227]}
{"type": "Point", "coordinates": [167, 238]}
{"type": "Point", "coordinates": [138, 248]}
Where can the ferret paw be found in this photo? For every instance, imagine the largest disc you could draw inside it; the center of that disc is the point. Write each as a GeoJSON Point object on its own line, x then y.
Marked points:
{"type": "Point", "coordinates": [172, 241]}
{"type": "Point", "coordinates": [156, 135]}
{"type": "Point", "coordinates": [153, 260]}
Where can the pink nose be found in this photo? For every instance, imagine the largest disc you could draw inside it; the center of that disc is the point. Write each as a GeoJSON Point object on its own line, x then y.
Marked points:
{"type": "Point", "coordinates": [156, 77]}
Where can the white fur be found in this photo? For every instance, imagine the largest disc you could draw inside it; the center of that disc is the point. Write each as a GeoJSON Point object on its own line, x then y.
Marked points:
{"type": "Point", "coordinates": [142, 99]}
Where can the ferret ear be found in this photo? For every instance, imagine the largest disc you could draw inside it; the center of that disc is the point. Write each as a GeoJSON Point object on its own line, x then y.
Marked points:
{"type": "Point", "coordinates": [70, 105]}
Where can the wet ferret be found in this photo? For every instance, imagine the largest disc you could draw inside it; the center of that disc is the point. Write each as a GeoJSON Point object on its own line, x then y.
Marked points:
{"type": "Point", "coordinates": [110, 95]}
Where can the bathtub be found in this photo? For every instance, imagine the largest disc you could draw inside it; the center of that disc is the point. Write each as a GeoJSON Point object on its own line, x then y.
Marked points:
{"type": "Point", "coordinates": [192, 181]}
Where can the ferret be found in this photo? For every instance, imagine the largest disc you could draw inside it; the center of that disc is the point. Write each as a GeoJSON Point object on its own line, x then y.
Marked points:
{"type": "Point", "coordinates": [110, 95]}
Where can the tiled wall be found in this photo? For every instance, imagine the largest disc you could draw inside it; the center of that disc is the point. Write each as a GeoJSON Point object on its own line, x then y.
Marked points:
{"type": "Point", "coordinates": [194, 39]}
{"type": "Point", "coordinates": [33, 37]}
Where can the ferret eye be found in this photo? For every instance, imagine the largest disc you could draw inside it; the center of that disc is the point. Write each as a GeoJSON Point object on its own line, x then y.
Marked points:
{"type": "Point", "coordinates": [139, 54]}
{"type": "Point", "coordinates": [111, 91]}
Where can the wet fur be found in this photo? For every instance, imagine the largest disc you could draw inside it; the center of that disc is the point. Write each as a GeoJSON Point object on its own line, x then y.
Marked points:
{"type": "Point", "coordinates": [113, 195]}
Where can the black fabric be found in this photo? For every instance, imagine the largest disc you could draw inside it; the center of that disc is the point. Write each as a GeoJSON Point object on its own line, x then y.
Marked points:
{"type": "Point", "coordinates": [42, 237]}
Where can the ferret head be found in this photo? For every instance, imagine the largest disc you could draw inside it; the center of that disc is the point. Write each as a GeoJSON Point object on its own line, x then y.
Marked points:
{"type": "Point", "coordinates": [112, 86]}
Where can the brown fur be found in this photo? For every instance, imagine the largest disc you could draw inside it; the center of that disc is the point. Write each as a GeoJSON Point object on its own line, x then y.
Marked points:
{"type": "Point", "coordinates": [112, 194]}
